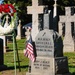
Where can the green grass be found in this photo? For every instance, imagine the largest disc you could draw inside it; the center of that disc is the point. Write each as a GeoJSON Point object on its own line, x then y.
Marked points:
{"type": "Point", "coordinates": [9, 57]}
{"type": "Point", "coordinates": [20, 44]}
{"type": "Point", "coordinates": [71, 61]}
{"type": "Point", "coordinates": [9, 61]}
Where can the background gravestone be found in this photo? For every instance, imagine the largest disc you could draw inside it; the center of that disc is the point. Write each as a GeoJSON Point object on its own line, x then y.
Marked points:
{"type": "Point", "coordinates": [4, 43]}
{"type": "Point", "coordinates": [2, 66]}
{"type": "Point", "coordinates": [68, 19]}
{"type": "Point", "coordinates": [35, 10]}
{"type": "Point", "coordinates": [1, 52]}
{"type": "Point", "coordinates": [19, 31]}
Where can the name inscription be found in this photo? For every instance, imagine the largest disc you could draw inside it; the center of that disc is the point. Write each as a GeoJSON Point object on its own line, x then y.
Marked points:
{"type": "Point", "coordinates": [44, 45]}
{"type": "Point", "coordinates": [45, 65]}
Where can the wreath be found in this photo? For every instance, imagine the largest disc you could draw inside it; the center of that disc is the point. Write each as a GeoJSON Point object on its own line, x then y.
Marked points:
{"type": "Point", "coordinates": [7, 10]}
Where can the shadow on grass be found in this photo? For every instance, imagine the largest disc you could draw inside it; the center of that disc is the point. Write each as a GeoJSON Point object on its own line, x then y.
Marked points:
{"type": "Point", "coordinates": [72, 67]}
{"type": "Point", "coordinates": [12, 68]}
{"type": "Point", "coordinates": [73, 73]}
{"type": "Point", "coordinates": [9, 50]}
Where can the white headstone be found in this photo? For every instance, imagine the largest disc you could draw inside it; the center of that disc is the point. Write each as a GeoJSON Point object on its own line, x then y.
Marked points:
{"type": "Point", "coordinates": [35, 10]}
{"type": "Point", "coordinates": [19, 30]}
{"type": "Point", "coordinates": [68, 40]}
{"type": "Point", "coordinates": [55, 9]}
{"type": "Point", "coordinates": [27, 33]}
{"type": "Point", "coordinates": [55, 16]}
{"type": "Point", "coordinates": [4, 43]}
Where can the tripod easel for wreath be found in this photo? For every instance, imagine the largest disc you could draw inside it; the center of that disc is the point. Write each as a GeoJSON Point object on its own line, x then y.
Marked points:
{"type": "Point", "coordinates": [8, 29]}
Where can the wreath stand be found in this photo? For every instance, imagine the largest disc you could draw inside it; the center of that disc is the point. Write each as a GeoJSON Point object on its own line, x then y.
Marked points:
{"type": "Point", "coordinates": [15, 52]}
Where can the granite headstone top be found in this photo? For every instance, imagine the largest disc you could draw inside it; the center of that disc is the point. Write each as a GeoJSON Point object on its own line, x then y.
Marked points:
{"type": "Point", "coordinates": [48, 44]}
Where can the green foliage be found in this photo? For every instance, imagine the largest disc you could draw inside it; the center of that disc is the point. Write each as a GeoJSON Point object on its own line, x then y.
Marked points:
{"type": "Point", "coordinates": [22, 6]}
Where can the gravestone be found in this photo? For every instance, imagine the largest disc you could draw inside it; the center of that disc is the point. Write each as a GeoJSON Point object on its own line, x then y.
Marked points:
{"type": "Point", "coordinates": [35, 10]}
{"type": "Point", "coordinates": [19, 30]}
{"type": "Point", "coordinates": [2, 66]}
{"type": "Point", "coordinates": [49, 53]}
{"type": "Point", "coordinates": [55, 16]}
{"type": "Point", "coordinates": [27, 33]}
{"type": "Point", "coordinates": [1, 52]}
{"type": "Point", "coordinates": [68, 39]}
{"type": "Point", "coordinates": [4, 43]}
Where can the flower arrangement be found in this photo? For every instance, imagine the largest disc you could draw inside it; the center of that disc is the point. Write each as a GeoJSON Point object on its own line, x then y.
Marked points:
{"type": "Point", "coordinates": [7, 8]}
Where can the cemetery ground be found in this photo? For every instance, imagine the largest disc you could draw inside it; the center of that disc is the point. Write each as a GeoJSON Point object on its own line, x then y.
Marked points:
{"type": "Point", "coordinates": [9, 60]}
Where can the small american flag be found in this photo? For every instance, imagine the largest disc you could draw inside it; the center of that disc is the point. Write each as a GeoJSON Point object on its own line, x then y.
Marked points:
{"type": "Point", "coordinates": [29, 52]}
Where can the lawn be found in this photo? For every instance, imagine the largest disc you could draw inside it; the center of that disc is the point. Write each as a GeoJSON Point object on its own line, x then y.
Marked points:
{"type": "Point", "coordinates": [9, 60]}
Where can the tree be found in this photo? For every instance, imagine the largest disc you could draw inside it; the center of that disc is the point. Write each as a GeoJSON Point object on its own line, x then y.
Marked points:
{"type": "Point", "coordinates": [22, 6]}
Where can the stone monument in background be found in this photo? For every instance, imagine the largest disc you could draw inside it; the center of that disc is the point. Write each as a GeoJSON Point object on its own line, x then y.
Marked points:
{"type": "Point", "coordinates": [19, 36]}
{"type": "Point", "coordinates": [67, 20]}
{"type": "Point", "coordinates": [35, 10]}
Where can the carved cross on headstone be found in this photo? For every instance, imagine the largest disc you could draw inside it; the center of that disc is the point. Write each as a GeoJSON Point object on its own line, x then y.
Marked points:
{"type": "Point", "coordinates": [68, 40]}
{"type": "Point", "coordinates": [35, 9]}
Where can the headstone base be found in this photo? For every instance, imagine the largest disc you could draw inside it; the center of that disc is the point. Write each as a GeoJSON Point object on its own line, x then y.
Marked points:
{"type": "Point", "coordinates": [61, 65]}
{"type": "Point", "coordinates": [45, 66]}
{"type": "Point", "coordinates": [64, 74]}
{"type": "Point", "coordinates": [39, 74]}
{"type": "Point", "coordinates": [69, 48]}
{"type": "Point", "coordinates": [18, 37]}
{"type": "Point", "coordinates": [32, 73]}
{"type": "Point", "coordinates": [46, 74]}
{"type": "Point", "coordinates": [68, 44]}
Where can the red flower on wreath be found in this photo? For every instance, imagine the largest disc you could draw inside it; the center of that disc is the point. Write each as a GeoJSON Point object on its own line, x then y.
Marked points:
{"type": "Point", "coordinates": [7, 8]}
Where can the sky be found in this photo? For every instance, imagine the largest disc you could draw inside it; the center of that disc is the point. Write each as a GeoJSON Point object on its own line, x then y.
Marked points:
{"type": "Point", "coordinates": [1, 1]}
